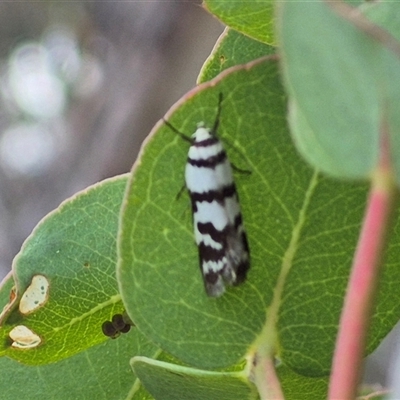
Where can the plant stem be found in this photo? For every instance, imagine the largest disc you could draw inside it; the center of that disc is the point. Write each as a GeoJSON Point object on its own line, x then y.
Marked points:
{"type": "Point", "coordinates": [266, 379]}
{"type": "Point", "coordinates": [355, 318]}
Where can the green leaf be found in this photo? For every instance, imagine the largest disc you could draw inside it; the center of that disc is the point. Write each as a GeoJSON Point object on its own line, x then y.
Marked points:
{"type": "Point", "coordinates": [6, 286]}
{"type": "Point", "coordinates": [232, 48]}
{"type": "Point", "coordinates": [101, 372]}
{"type": "Point", "coordinates": [385, 15]}
{"type": "Point", "coordinates": [324, 101]}
{"type": "Point", "coordinates": [169, 382]}
{"type": "Point", "coordinates": [298, 387]}
{"type": "Point", "coordinates": [332, 71]}
{"type": "Point", "coordinates": [302, 231]}
{"type": "Point", "coordinates": [158, 273]}
{"type": "Point", "coordinates": [253, 18]}
{"type": "Point", "coordinates": [7, 295]}
{"type": "Point", "coordinates": [74, 249]}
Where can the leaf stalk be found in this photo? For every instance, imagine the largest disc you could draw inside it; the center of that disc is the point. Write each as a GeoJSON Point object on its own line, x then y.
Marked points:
{"type": "Point", "coordinates": [355, 319]}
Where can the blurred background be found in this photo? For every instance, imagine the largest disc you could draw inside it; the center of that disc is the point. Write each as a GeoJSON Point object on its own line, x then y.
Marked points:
{"type": "Point", "coordinates": [81, 85]}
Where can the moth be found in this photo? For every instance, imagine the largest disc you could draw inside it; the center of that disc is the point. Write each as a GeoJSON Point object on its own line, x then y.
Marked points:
{"type": "Point", "coordinates": [217, 221]}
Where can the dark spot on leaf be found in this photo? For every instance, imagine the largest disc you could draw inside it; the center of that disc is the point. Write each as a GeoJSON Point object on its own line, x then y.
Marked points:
{"type": "Point", "coordinates": [125, 329]}
{"type": "Point", "coordinates": [118, 322]}
{"type": "Point", "coordinates": [109, 329]}
{"type": "Point", "coordinates": [13, 294]}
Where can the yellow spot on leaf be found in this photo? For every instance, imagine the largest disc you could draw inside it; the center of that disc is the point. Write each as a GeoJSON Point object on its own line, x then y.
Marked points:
{"type": "Point", "coordinates": [24, 338]}
{"type": "Point", "coordinates": [35, 296]}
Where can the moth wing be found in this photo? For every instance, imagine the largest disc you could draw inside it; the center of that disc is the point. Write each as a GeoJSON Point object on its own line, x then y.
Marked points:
{"type": "Point", "coordinates": [232, 265]}
{"type": "Point", "coordinates": [238, 258]}
{"type": "Point", "coordinates": [215, 288]}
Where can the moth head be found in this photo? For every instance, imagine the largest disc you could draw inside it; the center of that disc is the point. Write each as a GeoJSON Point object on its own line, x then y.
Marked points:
{"type": "Point", "coordinates": [201, 133]}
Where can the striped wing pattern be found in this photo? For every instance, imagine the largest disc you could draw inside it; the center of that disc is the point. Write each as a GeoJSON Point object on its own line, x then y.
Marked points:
{"type": "Point", "coordinates": [217, 220]}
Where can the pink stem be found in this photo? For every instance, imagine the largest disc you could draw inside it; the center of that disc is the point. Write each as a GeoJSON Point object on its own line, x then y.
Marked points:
{"type": "Point", "coordinates": [354, 323]}
{"type": "Point", "coordinates": [266, 379]}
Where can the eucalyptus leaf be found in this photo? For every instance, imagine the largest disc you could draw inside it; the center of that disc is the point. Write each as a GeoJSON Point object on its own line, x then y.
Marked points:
{"type": "Point", "coordinates": [302, 230]}
{"type": "Point", "coordinates": [169, 382]}
{"type": "Point", "coordinates": [101, 372]}
{"type": "Point", "coordinates": [232, 48]}
{"type": "Point", "coordinates": [332, 72]}
{"type": "Point", "coordinates": [74, 249]}
{"type": "Point", "coordinates": [300, 387]}
{"type": "Point", "coordinates": [385, 15]}
{"type": "Point", "coordinates": [253, 18]}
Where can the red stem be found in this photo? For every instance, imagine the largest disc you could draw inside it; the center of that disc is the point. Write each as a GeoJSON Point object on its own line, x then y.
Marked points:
{"type": "Point", "coordinates": [355, 318]}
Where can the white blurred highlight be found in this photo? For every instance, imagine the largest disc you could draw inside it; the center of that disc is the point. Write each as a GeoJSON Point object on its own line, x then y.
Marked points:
{"type": "Point", "coordinates": [32, 84]}
{"type": "Point", "coordinates": [27, 149]}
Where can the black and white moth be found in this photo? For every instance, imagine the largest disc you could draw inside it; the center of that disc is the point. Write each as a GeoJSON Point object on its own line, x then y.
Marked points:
{"type": "Point", "coordinates": [217, 220]}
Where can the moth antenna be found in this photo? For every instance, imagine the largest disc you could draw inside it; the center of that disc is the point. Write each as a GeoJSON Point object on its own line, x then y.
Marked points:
{"type": "Point", "coordinates": [182, 135]}
{"type": "Point", "coordinates": [182, 189]}
{"type": "Point", "coordinates": [240, 170]}
{"type": "Point", "coordinates": [234, 167]}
